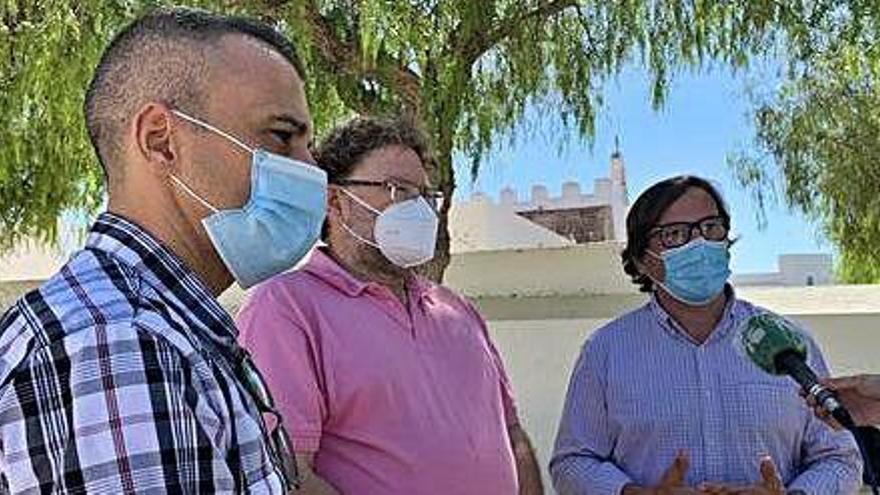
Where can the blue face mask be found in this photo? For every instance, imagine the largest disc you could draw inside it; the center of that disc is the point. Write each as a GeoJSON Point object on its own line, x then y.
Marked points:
{"type": "Point", "coordinates": [278, 224]}
{"type": "Point", "coordinates": [696, 272]}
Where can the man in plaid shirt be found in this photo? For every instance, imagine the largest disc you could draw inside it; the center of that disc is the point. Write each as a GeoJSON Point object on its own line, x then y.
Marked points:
{"type": "Point", "coordinates": [121, 374]}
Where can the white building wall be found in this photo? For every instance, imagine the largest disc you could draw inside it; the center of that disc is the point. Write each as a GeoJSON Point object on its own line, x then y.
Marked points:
{"type": "Point", "coordinates": [795, 270]}
{"type": "Point", "coordinates": [602, 190]}
{"type": "Point", "coordinates": [619, 197]}
{"type": "Point", "coordinates": [607, 191]}
{"type": "Point", "coordinates": [798, 269]}
{"type": "Point", "coordinates": [30, 261]}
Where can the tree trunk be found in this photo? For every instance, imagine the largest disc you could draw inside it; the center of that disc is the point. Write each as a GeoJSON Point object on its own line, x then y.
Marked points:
{"type": "Point", "coordinates": [435, 268]}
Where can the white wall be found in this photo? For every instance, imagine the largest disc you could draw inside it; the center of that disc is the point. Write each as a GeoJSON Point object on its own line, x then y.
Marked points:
{"type": "Point", "coordinates": [578, 269]}
{"type": "Point", "coordinates": [794, 270]}
{"type": "Point", "coordinates": [30, 261]}
{"type": "Point", "coordinates": [538, 356]}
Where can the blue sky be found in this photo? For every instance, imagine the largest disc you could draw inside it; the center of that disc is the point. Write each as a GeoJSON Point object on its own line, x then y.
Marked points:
{"type": "Point", "coordinates": [704, 119]}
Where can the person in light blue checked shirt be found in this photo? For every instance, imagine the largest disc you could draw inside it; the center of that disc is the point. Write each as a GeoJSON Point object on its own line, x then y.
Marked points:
{"type": "Point", "coordinates": [661, 402]}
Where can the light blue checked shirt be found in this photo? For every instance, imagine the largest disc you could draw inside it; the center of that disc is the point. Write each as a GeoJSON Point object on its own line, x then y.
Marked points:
{"type": "Point", "coordinates": [118, 375]}
{"type": "Point", "coordinates": [642, 390]}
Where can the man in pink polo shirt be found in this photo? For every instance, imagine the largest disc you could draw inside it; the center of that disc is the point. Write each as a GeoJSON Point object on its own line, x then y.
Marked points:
{"type": "Point", "coordinates": [387, 382]}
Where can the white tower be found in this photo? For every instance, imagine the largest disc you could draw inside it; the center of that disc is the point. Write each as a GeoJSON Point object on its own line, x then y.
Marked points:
{"type": "Point", "coordinates": [619, 194]}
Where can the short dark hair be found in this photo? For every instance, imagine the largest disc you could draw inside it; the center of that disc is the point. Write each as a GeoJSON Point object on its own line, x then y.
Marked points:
{"type": "Point", "coordinates": [347, 145]}
{"type": "Point", "coordinates": [161, 56]}
{"type": "Point", "coordinates": [646, 212]}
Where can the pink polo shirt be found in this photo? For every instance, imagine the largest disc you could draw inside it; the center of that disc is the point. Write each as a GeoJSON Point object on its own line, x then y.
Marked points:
{"type": "Point", "coordinates": [389, 400]}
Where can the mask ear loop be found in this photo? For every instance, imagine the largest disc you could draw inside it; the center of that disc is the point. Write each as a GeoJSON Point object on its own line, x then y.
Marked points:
{"type": "Point", "coordinates": [360, 201]}
{"type": "Point", "coordinates": [357, 236]}
{"type": "Point", "coordinates": [204, 125]}
{"type": "Point", "coordinates": [192, 193]}
{"type": "Point", "coordinates": [369, 208]}
{"type": "Point", "coordinates": [656, 282]}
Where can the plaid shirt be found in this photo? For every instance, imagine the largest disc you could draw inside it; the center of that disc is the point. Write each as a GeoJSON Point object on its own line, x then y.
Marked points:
{"type": "Point", "coordinates": [117, 376]}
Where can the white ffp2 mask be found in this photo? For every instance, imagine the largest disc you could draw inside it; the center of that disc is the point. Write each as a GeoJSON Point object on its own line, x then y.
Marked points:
{"type": "Point", "coordinates": [405, 233]}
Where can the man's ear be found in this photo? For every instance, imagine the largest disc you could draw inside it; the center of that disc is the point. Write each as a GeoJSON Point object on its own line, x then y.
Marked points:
{"type": "Point", "coordinates": [153, 137]}
{"type": "Point", "coordinates": [336, 207]}
{"type": "Point", "coordinates": [649, 265]}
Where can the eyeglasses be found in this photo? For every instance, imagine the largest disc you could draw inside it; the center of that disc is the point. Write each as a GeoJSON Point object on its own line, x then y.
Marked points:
{"type": "Point", "coordinates": [401, 192]}
{"type": "Point", "coordinates": [280, 446]}
{"type": "Point", "coordinates": [677, 234]}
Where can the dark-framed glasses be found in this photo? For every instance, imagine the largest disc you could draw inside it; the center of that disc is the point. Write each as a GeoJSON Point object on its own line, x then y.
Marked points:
{"type": "Point", "coordinates": [280, 446]}
{"type": "Point", "coordinates": [677, 234]}
{"type": "Point", "coordinates": [400, 191]}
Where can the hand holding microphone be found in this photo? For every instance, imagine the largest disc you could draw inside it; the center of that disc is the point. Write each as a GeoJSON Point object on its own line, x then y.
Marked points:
{"type": "Point", "coordinates": [860, 394]}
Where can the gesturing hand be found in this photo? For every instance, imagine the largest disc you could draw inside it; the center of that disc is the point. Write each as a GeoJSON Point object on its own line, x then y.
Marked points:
{"type": "Point", "coordinates": [672, 482]}
{"type": "Point", "coordinates": [770, 484]}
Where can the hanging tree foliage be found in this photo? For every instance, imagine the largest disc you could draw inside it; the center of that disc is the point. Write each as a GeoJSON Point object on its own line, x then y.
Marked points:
{"type": "Point", "coordinates": [465, 70]}
{"type": "Point", "coordinates": [818, 137]}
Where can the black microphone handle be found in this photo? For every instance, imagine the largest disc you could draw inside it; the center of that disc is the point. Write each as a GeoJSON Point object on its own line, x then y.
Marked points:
{"type": "Point", "coordinates": [792, 364]}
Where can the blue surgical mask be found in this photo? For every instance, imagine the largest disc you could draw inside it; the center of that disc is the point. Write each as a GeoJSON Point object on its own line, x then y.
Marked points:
{"type": "Point", "coordinates": [279, 223]}
{"type": "Point", "coordinates": [696, 272]}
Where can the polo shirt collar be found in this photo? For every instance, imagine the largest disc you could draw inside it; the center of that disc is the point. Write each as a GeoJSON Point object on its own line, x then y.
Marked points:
{"type": "Point", "coordinates": [324, 267]}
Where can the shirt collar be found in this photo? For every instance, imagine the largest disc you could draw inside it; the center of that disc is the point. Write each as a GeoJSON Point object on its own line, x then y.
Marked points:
{"type": "Point", "coordinates": [163, 270]}
{"type": "Point", "coordinates": [324, 267]}
{"type": "Point", "coordinates": [722, 329]}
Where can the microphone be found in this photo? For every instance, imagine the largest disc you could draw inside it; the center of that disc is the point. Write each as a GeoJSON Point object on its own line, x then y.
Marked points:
{"type": "Point", "coordinates": [776, 347]}
{"type": "Point", "coordinates": [773, 345]}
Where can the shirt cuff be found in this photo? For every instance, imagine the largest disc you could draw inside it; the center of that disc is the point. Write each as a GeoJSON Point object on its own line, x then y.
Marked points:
{"type": "Point", "coordinates": [823, 482]}
{"type": "Point", "coordinates": [596, 477]}
{"type": "Point", "coordinates": [621, 484]}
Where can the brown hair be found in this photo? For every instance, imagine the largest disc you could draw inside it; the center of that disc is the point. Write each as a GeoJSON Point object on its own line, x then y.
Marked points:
{"type": "Point", "coordinates": [349, 143]}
